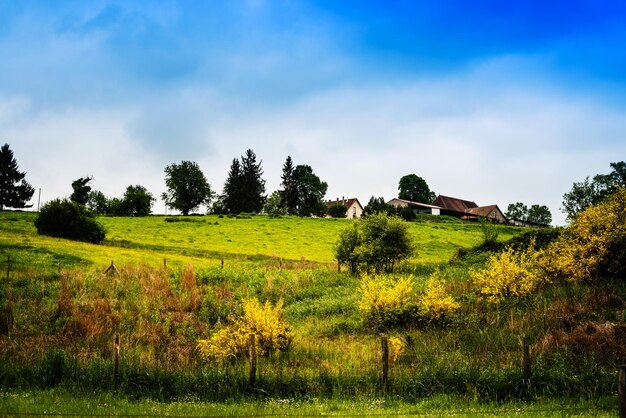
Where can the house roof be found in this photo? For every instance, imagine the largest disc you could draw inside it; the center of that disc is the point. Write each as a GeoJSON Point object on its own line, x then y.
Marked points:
{"type": "Point", "coordinates": [416, 204]}
{"type": "Point", "coordinates": [454, 203]}
{"type": "Point", "coordinates": [485, 211]}
{"type": "Point", "coordinates": [346, 202]}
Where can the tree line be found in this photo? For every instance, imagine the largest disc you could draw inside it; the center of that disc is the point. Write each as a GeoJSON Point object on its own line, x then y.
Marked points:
{"type": "Point", "coordinates": [301, 193]}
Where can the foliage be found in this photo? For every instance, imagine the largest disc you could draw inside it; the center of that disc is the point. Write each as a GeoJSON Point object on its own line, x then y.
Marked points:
{"type": "Point", "coordinates": [81, 189]}
{"type": "Point", "coordinates": [98, 202]}
{"type": "Point", "coordinates": [586, 193]}
{"type": "Point", "coordinates": [337, 210]}
{"type": "Point", "coordinates": [311, 191]}
{"type": "Point", "coordinates": [244, 188]}
{"type": "Point", "coordinates": [510, 273]}
{"type": "Point", "coordinates": [384, 303]}
{"type": "Point", "coordinates": [14, 190]}
{"type": "Point", "coordinates": [187, 188]}
{"type": "Point", "coordinates": [436, 305]}
{"type": "Point", "coordinates": [137, 201]}
{"type": "Point", "coordinates": [594, 243]}
{"type": "Point", "coordinates": [490, 232]}
{"type": "Point", "coordinates": [414, 188]}
{"type": "Point", "coordinates": [539, 214]}
{"type": "Point", "coordinates": [396, 348]}
{"type": "Point", "coordinates": [266, 322]}
{"type": "Point", "coordinates": [67, 219]}
{"type": "Point", "coordinates": [274, 205]}
{"type": "Point", "coordinates": [289, 191]}
{"type": "Point", "coordinates": [406, 213]}
{"type": "Point", "coordinates": [375, 243]}
{"type": "Point", "coordinates": [517, 210]}
{"type": "Point", "coordinates": [378, 205]}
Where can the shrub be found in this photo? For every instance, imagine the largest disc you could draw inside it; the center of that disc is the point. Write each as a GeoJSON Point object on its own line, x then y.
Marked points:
{"type": "Point", "coordinates": [375, 243]}
{"type": "Point", "coordinates": [66, 219]}
{"type": "Point", "coordinates": [384, 303]}
{"type": "Point", "coordinates": [509, 273]}
{"type": "Point", "coordinates": [396, 348]}
{"type": "Point", "coordinates": [594, 244]}
{"type": "Point", "coordinates": [266, 322]}
{"type": "Point", "coordinates": [337, 211]}
{"type": "Point", "coordinates": [436, 304]}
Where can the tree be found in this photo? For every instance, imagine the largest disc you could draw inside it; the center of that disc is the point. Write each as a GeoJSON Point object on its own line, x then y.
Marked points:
{"type": "Point", "coordinates": [517, 210]}
{"type": "Point", "coordinates": [375, 243]}
{"type": "Point", "coordinates": [81, 191]}
{"type": "Point", "coordinates": [244, 190]}
{"type": "Point", "coordinates": [587, 193]}
{"type": "Point", "coordinates": [311, 191]}
{"type": "Point", "coordinates": [289, 192]}
{"type": "Point", "coordinates": [378, 205]}
{"type": "Point", "coordinates": [187, 188]}
{"type": "Point", "coordinates": [137, 201]}
{"type": "Point", "coordinates": [274, 205]}
{"type": "Point", "coordinates": [415, 189]}
{"type": "Point", "coordinates": [253, 185]}
{"type": "Point", "coordinates": [14, 190]}
{"type": "Point", "coordinates": [71, 220]}
{"type": "Point", "coordinates": [539, 214]}
{"type": "Point", "coordinates": [337, 210]}
{"type": "Point", "coordinates": [98, 202]}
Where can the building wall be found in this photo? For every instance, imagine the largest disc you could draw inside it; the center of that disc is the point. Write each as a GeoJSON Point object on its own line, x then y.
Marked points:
{"type": "Point", "coordinates": [354, 211]}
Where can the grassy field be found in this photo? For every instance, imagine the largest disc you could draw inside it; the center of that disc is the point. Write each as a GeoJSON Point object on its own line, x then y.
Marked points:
{"type": "Point", "coordinates": [63, 322]}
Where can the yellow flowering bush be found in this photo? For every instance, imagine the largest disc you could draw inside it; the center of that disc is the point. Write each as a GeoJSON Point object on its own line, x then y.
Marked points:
{"type": "Point", "coordinates": [396, 348]}
{"type": "Point", "coordinates": [436, 304]}
{"type": "Point", "coordinates": [594, 243]}
{"type": "Point", "coordinates": [385, 302]}
{"type": "Point", "coordinates": [266, 322]}
{"type": "Point", "coordinates": [510, 273]}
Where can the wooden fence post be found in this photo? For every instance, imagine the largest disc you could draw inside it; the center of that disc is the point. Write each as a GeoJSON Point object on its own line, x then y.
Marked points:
{"type": "Point", "coordinates": [59, 267]}
{"type": "Point", "coordinates": [252, 357]}
{"type": "Point", "coordinates": [222, 263]}
{"type": "Point", "coordinates": [280, 264]}
{"type": "Point", "coordinates": [8, 266]}
{"type": "Point", "coordinates": [621, 391]}
{"type": "Point", "coordinates": [165, 264]}
{"type": "Point", "coordinates": [385, 363]}
{"type": "Point", "coordinates": [116, 358]}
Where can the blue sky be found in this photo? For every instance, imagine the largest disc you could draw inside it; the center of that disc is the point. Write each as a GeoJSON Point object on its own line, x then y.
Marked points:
{"type": "Point", "coordinates": [490, 101]}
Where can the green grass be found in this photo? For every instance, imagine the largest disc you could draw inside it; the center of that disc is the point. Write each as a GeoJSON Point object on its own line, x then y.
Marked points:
{"type": "Point", "coordinates": [59, 402]}
{"type": "Point", "coordinates": [64, 322]}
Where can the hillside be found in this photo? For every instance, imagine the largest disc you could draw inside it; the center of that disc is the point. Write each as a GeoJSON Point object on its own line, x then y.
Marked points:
{"type": "Point", "coordinates": [62, 322]}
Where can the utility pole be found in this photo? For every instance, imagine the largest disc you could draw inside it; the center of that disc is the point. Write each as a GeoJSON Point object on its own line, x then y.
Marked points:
{"type": "Point", "coordinates": [38, 199]}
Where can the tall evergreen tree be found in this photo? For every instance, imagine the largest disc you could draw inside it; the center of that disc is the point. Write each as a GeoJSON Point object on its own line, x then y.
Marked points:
{"type": "Point", "coordinates": [289, 192]}
{"type": "Point", "coordinates": [244, 190]}
{"type": "Point", "coordinates": [14, 190]}
{"type": "Point", "coordinates": [253, 185]}
{"type": "Point", "coordinates": [232, 195]}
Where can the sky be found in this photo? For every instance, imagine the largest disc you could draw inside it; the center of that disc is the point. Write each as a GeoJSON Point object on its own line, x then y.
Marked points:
{"type": "Point", "coordinates": [491, 101]}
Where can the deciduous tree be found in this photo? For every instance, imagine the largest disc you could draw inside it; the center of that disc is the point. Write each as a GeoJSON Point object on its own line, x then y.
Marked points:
{"type": "Point", "coordinates": [14, 190]}
{"type": "Point", "coordinates": [539, 214]}
{"type": "Point", "coordinates": [187, 188]}
{"type": "Point", "coordinates": [415, 189]}
{"type": "Point", "coordinates": [81, 189]}
{"type": "Point", "coordinates": [517, 210]}
{"type": "Point", "coordinates": [311, 191]}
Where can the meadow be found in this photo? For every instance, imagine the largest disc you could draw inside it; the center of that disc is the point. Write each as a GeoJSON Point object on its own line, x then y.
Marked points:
{"type": "Point", "coordinates": [65, 312]}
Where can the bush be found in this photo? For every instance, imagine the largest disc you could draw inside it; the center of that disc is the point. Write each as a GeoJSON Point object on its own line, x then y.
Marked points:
{"type": "Point", "coordinates": [337, 211]}
{"type": "Point", "coordinates": [66, 219]}
{"type": "Point", "coordinates": [266, 322]}
{"type": "Point", "coordinates": [594, 244]}
{"type": "Point", "coordinates": [375, 243]}
{"type": "Point", "coordinates": [510, 273]}
{"type": "Point", "coordinates": [384, 303]}
{"type": "Point", "coordinates": [436, 305]}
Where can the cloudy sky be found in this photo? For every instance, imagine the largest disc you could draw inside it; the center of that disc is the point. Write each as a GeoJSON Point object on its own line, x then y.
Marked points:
{"type": "Point", "coordinates": [490, 101]}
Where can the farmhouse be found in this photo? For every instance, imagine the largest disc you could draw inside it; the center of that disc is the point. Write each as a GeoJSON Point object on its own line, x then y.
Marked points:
{"type": "Point", "coordinates": [466, 209]}
{"type": "Point", "coordinates": [353, 206]}
{"type": "Point", "coordinates": [451, 206]}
